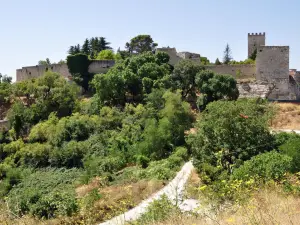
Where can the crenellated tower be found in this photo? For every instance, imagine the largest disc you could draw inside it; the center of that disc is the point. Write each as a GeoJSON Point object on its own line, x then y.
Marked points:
{"type": "Point", "coordinates": [254, 41]}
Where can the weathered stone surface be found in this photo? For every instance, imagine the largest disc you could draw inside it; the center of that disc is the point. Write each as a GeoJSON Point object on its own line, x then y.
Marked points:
{"type": "Point", "coordinates": [255, 89]}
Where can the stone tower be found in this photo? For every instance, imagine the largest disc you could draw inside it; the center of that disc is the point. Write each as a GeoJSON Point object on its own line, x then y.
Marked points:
{"type": "Point", "coordinates": [254, 41]}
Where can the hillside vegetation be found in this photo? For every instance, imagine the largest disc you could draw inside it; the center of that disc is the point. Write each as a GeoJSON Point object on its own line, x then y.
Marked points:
{"type": "Point", "coordinates": [66, 159]}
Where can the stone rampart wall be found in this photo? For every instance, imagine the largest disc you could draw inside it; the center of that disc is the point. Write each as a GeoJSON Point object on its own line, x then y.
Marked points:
{"type": "Point", "coordinates": [237, 71]}
{"type": "Point", "coordinates": [97, 66]}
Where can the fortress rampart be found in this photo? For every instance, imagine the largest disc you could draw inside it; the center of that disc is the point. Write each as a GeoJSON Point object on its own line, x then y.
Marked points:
{"type": "Point", "coordinates": [239, 71]}
{"type": "Point", "coordinates": [97, 66]}
{"type": "Point", "coordinates": [271, 68]}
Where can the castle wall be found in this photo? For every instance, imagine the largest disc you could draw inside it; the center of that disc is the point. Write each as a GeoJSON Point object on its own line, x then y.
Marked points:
{"type": "Point", "coordinates": [97, 66]}
{"type": "Point", "coordinates": [272, 65]}
{"type": "Point", "coordinates": [174, 58]}
{"type": "Point", "coordinates": [254, 41]}
{"type": "Point", "coordinates": [101, 66]}
{"type": "Point", "coordinates": [237, 71]}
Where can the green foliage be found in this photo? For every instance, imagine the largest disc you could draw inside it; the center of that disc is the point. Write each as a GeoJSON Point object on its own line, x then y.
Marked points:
{"type": "Point", "coordinates": [214, 87]}
{"type": "Point", "coordinates": [45, 62]}
{"type": "Point", "coordinates": [268, 166]}
{"type": "Point", "coordinates": [78, 66]}
{"type": "Point", "coordinates": [253, 55]}
{"type": "Point", "coordinates": [158, 210]}
{"type": "Point", "coordinates": [217, 62]}
{"type": "Point", "coordinates": [91, 47]}
{"type": "Point", "coordinates": [45, 194]}
{"type": "Point", "coordinates": [132, 79]}
{"type": "Point", "coordinates": [229, 133]}
{"type": "Point", "coordinates": [5, 88]}
{"type": "Point", "coordinates": [204, 61]}
{"type": "Point", "coordinates": [247, 61]}
{"type": "Point", "coordinates": [292, 148]}
{"type": "Point", "coordinates": [46, 94]}
{"type": "Point", "coordinates": [183, 77]}
{"type": "Point", "coordinates": [106, 55]}
{"type": "Point", "coordinates": [141, 43]}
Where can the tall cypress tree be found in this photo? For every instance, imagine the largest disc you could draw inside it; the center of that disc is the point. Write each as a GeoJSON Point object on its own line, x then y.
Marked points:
{"type": "Point", "coordinates": [227, 55]}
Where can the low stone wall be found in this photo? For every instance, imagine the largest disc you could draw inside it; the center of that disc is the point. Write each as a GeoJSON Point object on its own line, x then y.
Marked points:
{"type": "Point", "coordinates": [244, 71]}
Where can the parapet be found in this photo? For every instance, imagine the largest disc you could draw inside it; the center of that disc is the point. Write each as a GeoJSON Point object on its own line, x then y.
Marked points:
{"type": "Point", "coordinates": [257, 34]}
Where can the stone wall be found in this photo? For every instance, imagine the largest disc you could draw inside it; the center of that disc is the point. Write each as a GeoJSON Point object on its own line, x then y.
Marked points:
{"type": "Point", "coordinates": [255, 89]}
{"type": "Point", "coordinates": [174, 58]}
{"type": "Point", "coordinates": [237, 71]}
{"type": "Point", "coordinates": [272, 65]}
{"type": "Point", "coordinates": [254, 41]}
{"type": "Point", "coordinates": [97, 66]}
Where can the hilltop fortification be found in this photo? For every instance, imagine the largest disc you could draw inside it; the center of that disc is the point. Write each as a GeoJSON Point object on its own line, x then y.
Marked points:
{"type": "Point", "coordinates": [270, 74]}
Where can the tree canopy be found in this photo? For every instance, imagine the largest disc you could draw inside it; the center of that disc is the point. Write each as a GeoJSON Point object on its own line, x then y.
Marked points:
{"type": "Point", "coordinates": [141, 43]}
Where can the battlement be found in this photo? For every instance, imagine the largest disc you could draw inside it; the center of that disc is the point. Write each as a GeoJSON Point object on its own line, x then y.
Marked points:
{"type": "Point", "coordinates": [257, 34]}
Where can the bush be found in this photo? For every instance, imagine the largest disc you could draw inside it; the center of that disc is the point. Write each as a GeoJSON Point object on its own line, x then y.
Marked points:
{"type": "Point", "coordinates": [268, 166]}
{"type": "Point", "coordinates": [292, 149]}
{"type": "Point", "coordinates": [158, 210]}
{"type": "Point", "coordinates": [35, 155]}
{"type": "Point", "coordinates": [229, 133]}
{"type": "Point", "coordinates": [46, 193]}
{"type": "Point", "coordinates": [69, 155]}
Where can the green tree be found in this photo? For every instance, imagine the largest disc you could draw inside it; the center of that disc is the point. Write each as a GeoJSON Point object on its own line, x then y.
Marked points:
{"type": "Point", "coordinates": [204, 61]}
{"type": "Point", "coordinates": [227, 55]}
{"type": "Point", "coordinates": [253, 55]}
{"type": "Point", "coordinates": [103, 44]}
{"type": "Point", "coordinates": [45, 62]}
{"type": "Point", "coordinates": [217, 62]}
{"type": "Point", "coordinates": [106, 55]}
{"type": "Point", "coordinates": [214, 87]}
{"type": "Point", "coordinates": [141, 43]}
{"type": "Point", "coordinates": [183, 77]}
{"type": "Point", "coordinates": [85, 49]}
{"type": "Point", "coordinates": [5, 89]}
{"type": "Point", "coordinates": [78, 66]}
{"type": "Point", "coordinates": [230, 132]}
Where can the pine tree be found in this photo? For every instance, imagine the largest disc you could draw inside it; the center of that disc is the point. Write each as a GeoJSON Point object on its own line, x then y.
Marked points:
{"type": "Point", "coordinates": [227, 55]}
{"type": "Point", "coordinates": [77, 49]}
{"type": "Point", "coordinates": [86, 47]}
{"type": "Point", "coordinates": [217, 62]}
{"type": "Point", "coordinates": [71, 50]}
{"type": "Point", "coordinates": [103, 44]}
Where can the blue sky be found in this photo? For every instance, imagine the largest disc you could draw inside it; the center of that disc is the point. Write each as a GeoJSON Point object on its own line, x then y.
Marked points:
{"type": "Point", "coordinates": [36, 29]}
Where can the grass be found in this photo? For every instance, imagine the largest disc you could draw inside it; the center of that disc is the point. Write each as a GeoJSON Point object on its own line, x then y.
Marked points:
{"type": "Point", "coordinates": [288, 116]}
{"type": "Point", "coordinates": [267, 206]}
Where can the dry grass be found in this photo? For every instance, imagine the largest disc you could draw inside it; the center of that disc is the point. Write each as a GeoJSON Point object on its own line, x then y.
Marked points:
{"type": "Point", "coordinates": [191, 190]}
{"type": "Point", "coordinates": [267, 207]}
{"type": "Point", "coordinates": [288, 116]}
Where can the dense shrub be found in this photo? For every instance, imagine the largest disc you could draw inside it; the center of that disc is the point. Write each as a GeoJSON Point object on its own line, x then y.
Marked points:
{"type": "Point", "coordinates": [268, 166]}
{"type": "Point", "coordinates": [45, 193]}
{"type": "Point", "coordinates": [229, 133]}
{"type": "Point", "coordinates": [292, 149]}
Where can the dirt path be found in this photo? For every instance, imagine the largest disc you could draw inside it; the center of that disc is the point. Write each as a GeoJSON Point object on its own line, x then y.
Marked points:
{"type": "Point", "coordinates": [174, 190]}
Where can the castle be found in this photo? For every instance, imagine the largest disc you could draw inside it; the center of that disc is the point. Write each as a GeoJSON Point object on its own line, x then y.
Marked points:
{"type": "Point", "coordinates": [270, 75]}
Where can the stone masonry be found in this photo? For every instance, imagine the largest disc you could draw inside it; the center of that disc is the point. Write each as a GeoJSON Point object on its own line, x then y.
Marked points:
{"type": "Point", "coordinates": [271, 71]}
